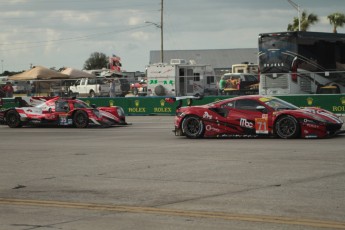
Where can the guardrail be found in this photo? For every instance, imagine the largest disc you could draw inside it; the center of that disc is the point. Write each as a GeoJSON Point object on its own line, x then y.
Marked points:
{"type": "Point", "coordinates": [158, 106]}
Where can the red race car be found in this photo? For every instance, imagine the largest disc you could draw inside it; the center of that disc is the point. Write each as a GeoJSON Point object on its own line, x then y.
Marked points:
{"type": "Point", "coordinates": [139, 88]}
{"type": "Point", "coordinates": [254, 116]}
{"type": "Point", "coordinates": [61, 112]}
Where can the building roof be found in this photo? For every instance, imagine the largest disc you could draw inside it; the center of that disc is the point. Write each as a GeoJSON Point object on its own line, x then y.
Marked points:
{"type": "Point", "coordinates": [217, 58]}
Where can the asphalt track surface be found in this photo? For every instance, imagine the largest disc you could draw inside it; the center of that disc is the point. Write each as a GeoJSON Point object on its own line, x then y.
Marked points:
{"type": "Point", "coordinates": [143, 177]}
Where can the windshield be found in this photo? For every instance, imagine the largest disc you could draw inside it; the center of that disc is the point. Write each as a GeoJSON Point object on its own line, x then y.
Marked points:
{"type": "Point", "coordinates": [277, 104]}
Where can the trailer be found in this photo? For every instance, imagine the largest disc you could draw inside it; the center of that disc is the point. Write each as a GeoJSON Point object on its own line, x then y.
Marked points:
{"type": "Point", "coordinates": [180, 78]}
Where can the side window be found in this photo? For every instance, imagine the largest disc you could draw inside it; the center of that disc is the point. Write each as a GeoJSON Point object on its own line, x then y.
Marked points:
{"type": "Point", "coordinates": [181, 72]}
{"type": "Point", "coordinates": [92, 81]}
{"type": "Point", "coordinates": [61, 106]}
{"type": "Point", "coordinates": [246, 104]}
{"type": "Point", "coordinates": [190, 72]}
{"type": "Point", "coordinates": [250, 78]}
{"type": "Point", "coordinates": [83, 81]}
{"type": "Point", "coordinates": [100, 81]}
{"type": "Point", "coordinates": [210, 79]}
{"type": "Point", "coordinates": [197, 77]}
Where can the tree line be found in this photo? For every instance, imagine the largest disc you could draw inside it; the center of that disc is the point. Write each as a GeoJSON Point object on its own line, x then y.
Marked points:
{"type": "Point", "coordinates": [335, 19]}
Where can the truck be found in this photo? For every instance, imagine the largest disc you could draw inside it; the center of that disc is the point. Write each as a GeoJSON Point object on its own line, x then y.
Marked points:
{"type": "Point", "coordinates": [180, 78]}
{"type": "Point", "coordinates": [90, 87]}
{"type": "Point", "coordinates": [245, 67]}
{"type": "Point", "coordinates": [301, 62]}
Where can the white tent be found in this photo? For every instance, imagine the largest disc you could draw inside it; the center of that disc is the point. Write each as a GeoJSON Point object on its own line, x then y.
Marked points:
{"type": "Point", "coordinates": [75, 73]}
{"type": "Point", "coordinates": [38, 73]}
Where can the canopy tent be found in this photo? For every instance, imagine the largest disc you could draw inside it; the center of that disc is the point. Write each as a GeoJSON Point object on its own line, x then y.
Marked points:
{"type": "Point", "coordinates": [38, 73]}
{"type": "Point", "coordinates": [75, 73]}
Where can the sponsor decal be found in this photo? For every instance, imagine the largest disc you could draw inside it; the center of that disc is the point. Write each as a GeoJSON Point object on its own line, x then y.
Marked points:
{"type": "Point", "coordinates": [63, 120]}
{"type": "Point", "coordinates": [211, 128]}
{"type": "Point", "coordinates": [261, 126]}
{"type": "Point", "coordinates": [245, 123]}
{"type": "Point", "coordinates": [308, 121]}
{"type": "Point", "coordinates": [207, 116]}
{"type": "Point", "coordinates": [324, 113]}
{"type": "Point", "coordinates": [312, 126]}
{"type": "Point", "coordinates": [338, 108]}
{"type": "Point", "coordinates": [162, 109]}
{"type": "Point", "coordinates": [310, 100]}
{"type": "Point", "coordinates": [265, 99]}
{"type": "Point", "coordinates": [137, 109]}
{"type": "Point", "coordinates": [162, 102]}
{"type": "Point", "coordinates": [165, 82]}
{"type": "Point", "coordinates": [342, 100]}
{"type": "Point", "coordinates": [274, 64]}
{"type": "Point", "coordinates": [136, 103]}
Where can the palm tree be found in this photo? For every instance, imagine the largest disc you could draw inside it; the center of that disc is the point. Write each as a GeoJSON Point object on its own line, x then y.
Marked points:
{"type": "Point", "coordinates": [306, 22]}
{"type": "Point", "coordinates": [337, 20]}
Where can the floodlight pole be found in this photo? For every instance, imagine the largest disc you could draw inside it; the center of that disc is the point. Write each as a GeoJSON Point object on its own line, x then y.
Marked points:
{"type": "Point", "coordinates": [160, 26]}
{"type": "Point", "coordinates": [297, 7]}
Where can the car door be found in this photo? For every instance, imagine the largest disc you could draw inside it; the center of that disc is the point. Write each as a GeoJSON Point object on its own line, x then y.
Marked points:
{"type": "Point", "coordinates": [83, 87]}
{"type": "Point", "coordinates": [61, 111]}
{"type": "Point", "coordinates": [244, 114]}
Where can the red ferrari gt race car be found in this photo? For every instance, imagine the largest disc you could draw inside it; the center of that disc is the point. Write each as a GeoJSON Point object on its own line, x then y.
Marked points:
{"type": "Point", "coordinates": [254, 116]}
{"type": "Point", "coordinates": [61, 112]}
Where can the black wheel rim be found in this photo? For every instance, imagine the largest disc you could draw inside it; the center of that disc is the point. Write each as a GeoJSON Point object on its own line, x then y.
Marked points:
{"type": "Point", "coordinates": [12, 119]}
{"type": "Point", "coordinates": [81, 120]}
{"type": "Point", "coordinates": [287, 127]}
{"type": "Point", "coordinates": [192, 126]}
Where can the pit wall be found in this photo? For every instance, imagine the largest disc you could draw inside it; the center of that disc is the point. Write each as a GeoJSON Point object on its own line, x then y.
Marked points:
{"type": "Point", "coordinates": [158, 105]}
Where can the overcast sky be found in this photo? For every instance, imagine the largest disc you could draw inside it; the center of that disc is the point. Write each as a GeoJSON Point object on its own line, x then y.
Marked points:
{"type": "Point", "coordinates": [64, 33]}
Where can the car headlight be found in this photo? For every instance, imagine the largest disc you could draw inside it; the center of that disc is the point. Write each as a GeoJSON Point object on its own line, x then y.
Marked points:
{"type": "Point", "coordinates": [180, 114]}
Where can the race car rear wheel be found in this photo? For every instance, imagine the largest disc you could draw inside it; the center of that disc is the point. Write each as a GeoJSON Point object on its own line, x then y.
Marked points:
{"type": "Point", "coordinates": [13, 119]}
{"type": "Point", "coordinates": [287, 127]}
{"type": "Point", "coordinates": [193, 127]}
{"type": "Point", "coordinates": [81, 119]}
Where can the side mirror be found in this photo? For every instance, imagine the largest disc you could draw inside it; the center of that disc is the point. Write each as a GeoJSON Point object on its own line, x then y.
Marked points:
{"type": "Point", "coordinates": [261, 109]}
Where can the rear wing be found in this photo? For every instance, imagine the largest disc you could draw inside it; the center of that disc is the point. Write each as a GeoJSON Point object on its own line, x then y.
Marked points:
{"type": "Point", "coordinates": [190, 99]}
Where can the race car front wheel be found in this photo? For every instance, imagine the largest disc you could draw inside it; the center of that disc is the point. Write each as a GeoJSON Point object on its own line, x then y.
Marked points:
{"type": "Point", "coordinates": [80, 119]}
{"type": "Point", "coordinates": [193, 127]}
{"type": "Point", "coordinates": [13, 119]}
{"type": "Point", "coordinates": [287, 127]}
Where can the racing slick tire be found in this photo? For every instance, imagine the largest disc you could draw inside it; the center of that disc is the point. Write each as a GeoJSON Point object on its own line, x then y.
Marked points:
{"type": "Point", "coordinates": [80, 119]}
{"type": "Point", "coordinates": [287, 127]}
{"type": "Point", "coordinates": [13, 119]}
{"type": "Point", "coordinates": [193, 127]}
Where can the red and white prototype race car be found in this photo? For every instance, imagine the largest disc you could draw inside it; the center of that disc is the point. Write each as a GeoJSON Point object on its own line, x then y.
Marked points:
{"type": "Point", "coordinates": [61, 112]}
{"type": "Point", "coordinates": [255, 115]}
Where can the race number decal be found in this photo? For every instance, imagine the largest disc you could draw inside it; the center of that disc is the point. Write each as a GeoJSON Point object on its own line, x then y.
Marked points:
{"type": "Point", "coordinates": [261, 126]}
{"type": "Point", "coordinates": [63, 120]}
